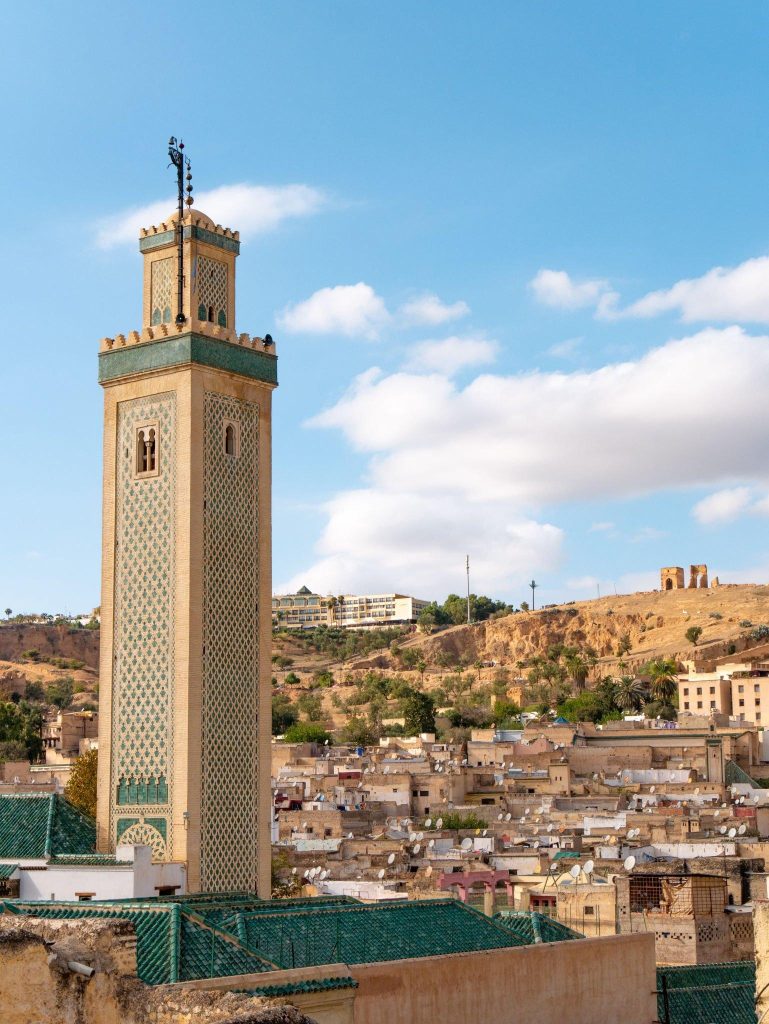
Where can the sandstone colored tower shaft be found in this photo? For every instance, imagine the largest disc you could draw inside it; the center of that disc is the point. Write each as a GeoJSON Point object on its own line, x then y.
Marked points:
{"type": "Point", "coordinates": [184, 736]}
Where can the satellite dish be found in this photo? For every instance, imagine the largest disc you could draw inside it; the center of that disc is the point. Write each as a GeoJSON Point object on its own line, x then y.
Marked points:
{"type": "Point", "coordinates": [417, 848]}
{"type": "Point", "coordinates": [323, 875]}
{"type": "Point", "coordinates": [550, 827]}
{"type": "Point", "coordinates": [293, 871]}
{"type": "Point", "coordinates": [391, 859]}
{"type": "Point", "coordinates": [535, 844]}
{"type": "Point", "coordinates": [723, 805]}
{"type": "Point", "coordinates": [306, 874]}
{"type": "Point", "coordinates": [697, 791]}
{"type": "Point", "coordinates": [588, 868]}
{"type": "Point", "coordinates": [429, 870]}
{"type": "Point", "coordinates": [629, 863]}
{"type": "Point", "coordinates": [500, 817]}
{"type": "Point", "coordinates": [431, 844]}
{"type": "Point", "coordinates": [420, 836]}
{"type": "Point", "coordinates": [439, 824]}
{"type": "Point", "coordinates": [349, 835]}
{"type": "Point", "coordinates": [304, 825]}
{"type": "Point", "coordinates": [652, 789]}
{"type": "Point", "coordinates": [742, 829]}
{"type": "Point", "coordinates": [732, 833]}
{"type": "Point", "coordinates": [428, 823]}
{"type": "Point", "coordinates": [575, 871]}
{"type": "Point", "coordinates": [716, 814]}
{"type": "Point", "coordinates": [722, 830]}
{"type": "Point", "coordinates": [485, 832]}
{"type": "Point", "coordinates": [508, 816]}
{"type": "Point", "coordinates": [380, 873]}
{"type": "Point", "coordinates": [467, 844]}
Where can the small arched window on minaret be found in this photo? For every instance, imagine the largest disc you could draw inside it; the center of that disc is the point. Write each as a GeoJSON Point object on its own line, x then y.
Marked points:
{"type": "Point", "coordinates": [231, 438]}
{"type": "Point", "coordinates": [147, 450]}
{"type": "Point", "coordinates": [210, 314]}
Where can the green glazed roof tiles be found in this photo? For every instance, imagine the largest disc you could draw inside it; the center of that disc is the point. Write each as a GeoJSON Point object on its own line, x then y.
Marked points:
{"type": "Point", "coordinates": [534, 927]}
{"type": "Point", "coordinates": [43, 824]}
{"type": "Point", "coordinates": [6, 870]}
{"type": "Point", "coordinates": [367, 933]}
{"type": "Point", "coordinates": [722, 993]}
{"type": "Point", "coordinates": [734, 774]}
{"type": "Point", "coordinates": [300, 987]}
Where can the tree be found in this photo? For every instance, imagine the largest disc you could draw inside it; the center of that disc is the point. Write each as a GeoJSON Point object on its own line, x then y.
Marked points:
{"type": "Point", "coordinates": [358, 732]}
{"type": "Point", "coordinates": [8, 612]}
{"type": "Point", "coordinates": [60, 693]}
{"type": "Point", "coordinates": [284, 714]}
{"type": "Point", "coordinates": [505, 711]}
{"type": "Point", "coordinates": [419, 714]}
{"type": "Point", "coordinates": [420, 666]}
{"type": "Point", "coordinates": [693, 634]}
{"type": "Point", "coordinates": [291, 679]}
{"type": "Point", "coordinates": [80, 790]}
{"type": "Point", "coordinates": [662, 677]}
{"type": "Point", "coordinates": [311, 705]}
{"type": "Point", "coordinates": [629, 694]}
{"type": "Point", "coordinates": [306, 732]}
{"type": "Point", "coordinates": [524, 606]}
{"type": "Point", "coordinates": [12, 750]}
{"type": "Point", "coordinates": [624, 645]}
{"type": "Point", "coordinates": [34, 691]}
{"type": "Point", "coordinates": [22, 723]}
{"type": "Point", "coordinates": [577, 667]}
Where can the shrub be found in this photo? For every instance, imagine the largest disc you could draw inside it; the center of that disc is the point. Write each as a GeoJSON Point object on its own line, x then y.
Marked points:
{"type": "Point", "coordinates": [745, 623]}
{"type": "Point", "coordinates": [456, 820]}
{"type": "Point", "coordinates": [693, 634]}
{"type": "Point", "coordinates": [760, 632]}
{"type": "Point", "coordinates": [306, 732]}
{"type": "Point", "coordinates": [715, 615]}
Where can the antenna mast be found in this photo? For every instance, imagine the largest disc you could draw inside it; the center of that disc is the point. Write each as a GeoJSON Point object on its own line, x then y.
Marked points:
{"type": "Point", "coordinates": [467, 566]}
{"type": "Point", "coordinates": [533, 586]}
{"type": "Point", "coordinates": [180, 162]}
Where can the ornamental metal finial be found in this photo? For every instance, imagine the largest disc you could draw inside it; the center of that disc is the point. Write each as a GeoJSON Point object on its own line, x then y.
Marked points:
{"type": "Point", "coordinates": [178, 159]}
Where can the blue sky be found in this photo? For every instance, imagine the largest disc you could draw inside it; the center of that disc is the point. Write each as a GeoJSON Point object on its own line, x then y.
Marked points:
{"type": "Point", "coordinates": [485, 238]}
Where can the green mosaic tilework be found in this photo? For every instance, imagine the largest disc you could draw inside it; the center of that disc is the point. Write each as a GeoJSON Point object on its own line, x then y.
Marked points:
{"type": "Point", "coordinates": [143, 686]}
{"type": "Point", "coordinates": [711, 994]}
{"type": "Point", "coordinates": [229, 742]}
{"type": "Point", "coordinates": [182, 349]}
{"type": "Point", "coordinates": [162, 290]}
{"type": "Point", "coordinates": [534, 927]}
{"type": "Point", "coordinates": [153, 791]}
{"type": "Point", "coordinates": [368, 933]}
{"type": "Point", "coordinates": [40, 825]}
{"type": "Point", "coordinates": [210, 286]}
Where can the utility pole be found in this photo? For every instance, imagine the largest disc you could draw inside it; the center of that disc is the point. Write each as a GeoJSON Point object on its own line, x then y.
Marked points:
{"type": "Point", "coordinates": [533, 586]}
{"type": "Point", "coordinates": [467, 566]}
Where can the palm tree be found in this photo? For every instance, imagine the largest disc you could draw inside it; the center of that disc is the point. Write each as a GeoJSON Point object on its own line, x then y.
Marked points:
{"type": "Point", "coordinates": [663, 682]}
{"type": "Point", "coordinates": [628, 694]}
{"type": "Point", "coordinates": [577, 668]}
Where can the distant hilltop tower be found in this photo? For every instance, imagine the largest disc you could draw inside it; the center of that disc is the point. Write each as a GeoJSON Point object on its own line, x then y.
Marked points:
{"type": "Point", "coordinates": [184, 738]}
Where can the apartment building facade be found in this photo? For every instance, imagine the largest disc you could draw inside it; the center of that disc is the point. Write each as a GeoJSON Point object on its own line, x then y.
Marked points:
{"type": "Point", "coordinates": [306, 610]}
{"type": "Point", "coordinates": [736, 688]}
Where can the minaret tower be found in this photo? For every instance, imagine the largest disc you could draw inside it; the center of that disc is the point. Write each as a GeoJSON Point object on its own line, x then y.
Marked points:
{"type": "Point", "coordinates": [184, 733]}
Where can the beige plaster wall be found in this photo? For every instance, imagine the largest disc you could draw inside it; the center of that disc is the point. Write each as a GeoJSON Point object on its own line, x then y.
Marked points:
{"type": "Point", "coordinates": [582, 982]}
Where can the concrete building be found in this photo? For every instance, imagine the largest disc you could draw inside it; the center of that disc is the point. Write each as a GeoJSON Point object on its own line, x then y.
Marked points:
{"type": "Point", "coordinates": [68, 735]}
{"type": "Point", "coordinates": [185, 634]}
{"type": "Point", "coordinates": [305, 610]}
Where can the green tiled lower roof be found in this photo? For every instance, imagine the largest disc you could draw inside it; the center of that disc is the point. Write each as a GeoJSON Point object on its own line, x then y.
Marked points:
{"type": "Point", "coordinates": [6, 870]}
{"type": "Point", "coordinates": [88, 859]}
{"type": "Point", "coordinates": [300, 987]}
{"type": "Point", "coordinates": [171, 944]}
{"type": "Point", "coordinates": [37, 825]}
{"type": "Point", "coordinates": [534, 927]}
{"type": "Point", "coordinates": [366, 933]}
{"type": "Point", "coordinates": [733, 774]}
{"type": "Point", "coordinates": [722, 993]}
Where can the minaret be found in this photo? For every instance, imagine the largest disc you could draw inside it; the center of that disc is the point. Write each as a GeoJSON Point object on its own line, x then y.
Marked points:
{"type": "Point", "coordinates": [184, 735]}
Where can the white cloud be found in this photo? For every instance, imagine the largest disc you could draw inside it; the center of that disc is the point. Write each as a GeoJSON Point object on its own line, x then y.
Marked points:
{"type": "Point", "coordinates": [603, 527]}
{"type": "Point", "coordinates": [451, 354]}
{"type": "Point", "coordinates": [416, 543]}
{"type": "Point", "coordinates": [559, 289]}
{"type": "Point", "coordinates": [350, 309]}
{"type": "Point", "coordinates": [428, 309]}
{"type": "Point", "coordinates": [567, 349]}
{"type": "Point", "coordinates": [647, 533]}
{"type": "Point", "coordinates": [723, 506]}
{"type": "Point", "coordinates": [737, 294]}
{"type": "Point", "coordinates": [460, 468]}
{"type": "Point", "coordinates": [250, 209]}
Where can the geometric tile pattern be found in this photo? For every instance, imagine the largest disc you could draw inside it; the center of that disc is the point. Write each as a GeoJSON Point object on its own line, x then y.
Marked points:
{"type": "Point", "coordinates": [229, 742]}
{"type": "Point", "coordinates": [143, 834]}
{"type": "Point", "coordinates": [143, 680]}
{"type": "Point", "coordinates": [212, 286]}
{"type": "Point", "coordinates": [162, 274]}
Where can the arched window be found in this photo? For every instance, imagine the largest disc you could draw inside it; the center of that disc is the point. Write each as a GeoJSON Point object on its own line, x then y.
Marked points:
{"type": "Point", "coordinates": [146, 450]}
{"type": "Point", "coordinates": [222, 318]}
{"type": "Point", "coordinates": [229, 440]}
{"type": "Point", "coordinates": [210, 314]}
{"type": "Point", "coordinates": [202, 315]}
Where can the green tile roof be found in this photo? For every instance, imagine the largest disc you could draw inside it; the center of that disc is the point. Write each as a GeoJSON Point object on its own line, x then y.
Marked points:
{"type": "Point", "coordinates": [366, 933]}
{"type": "Point", "coordinates": [534, 927]}
{"type": "Point", "coordinates": [722, 993]}
{"type": "Point", "coordinates": [171, 944]}
{"type": "Point", "coordinates": [300, 987]}
{"type": "Point", "coordinates": [561, 854]}
{"type": "Point", "coordinates": [88, 859]}
{"type": "Point", "coordinates": [41, 825]}
{"type": "Point", "coordinates": [733, 774]}
{"type": "Point", "coordinates": [6, 870]}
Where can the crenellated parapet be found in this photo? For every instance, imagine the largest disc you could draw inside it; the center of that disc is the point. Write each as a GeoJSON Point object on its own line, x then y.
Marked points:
{"type": "Point", "coordinates": [163, 331]}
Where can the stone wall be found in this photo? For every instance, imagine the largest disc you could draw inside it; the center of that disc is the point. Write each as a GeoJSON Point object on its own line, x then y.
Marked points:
{"type": "Point", "coordinates": [43, 980]}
